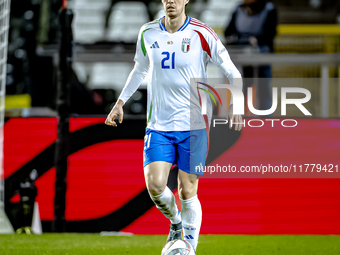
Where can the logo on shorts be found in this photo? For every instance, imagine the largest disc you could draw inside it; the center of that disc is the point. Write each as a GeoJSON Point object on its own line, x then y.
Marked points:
{"type": "Point", "coordinates": [186, 45]}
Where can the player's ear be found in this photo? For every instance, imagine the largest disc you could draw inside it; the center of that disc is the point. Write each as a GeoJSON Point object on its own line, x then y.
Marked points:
{"type": "Point", "coordinates": [186, 2]}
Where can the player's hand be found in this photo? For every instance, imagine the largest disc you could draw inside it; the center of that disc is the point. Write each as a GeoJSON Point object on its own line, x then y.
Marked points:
{"type": "Point", "coordinates": [117, 110]}
{"type": "Point", "coordinates": [234, 119]}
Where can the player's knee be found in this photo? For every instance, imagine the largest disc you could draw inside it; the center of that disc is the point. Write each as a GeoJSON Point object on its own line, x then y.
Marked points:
{"type": "Point", "coordinates": [187, 192]}
{"type": "Point", "coordinates": [156, 188]}
{"type": "Point", "coordinates": [187, 187]}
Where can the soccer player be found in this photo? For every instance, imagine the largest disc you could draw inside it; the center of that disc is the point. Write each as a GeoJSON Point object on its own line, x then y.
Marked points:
{"type": "Point", "coordinates": [174, 49]}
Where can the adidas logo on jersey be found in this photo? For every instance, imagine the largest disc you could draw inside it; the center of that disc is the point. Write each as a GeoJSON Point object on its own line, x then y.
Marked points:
{"type": "Point", "coordinates": [155, 45]}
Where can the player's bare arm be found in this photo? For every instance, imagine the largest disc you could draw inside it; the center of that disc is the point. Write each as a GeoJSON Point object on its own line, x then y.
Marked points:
{"type": "Point", "coordinates": [117, 110]}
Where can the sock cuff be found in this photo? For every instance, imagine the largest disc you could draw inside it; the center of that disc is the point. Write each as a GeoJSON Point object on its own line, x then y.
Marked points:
{"type": "Point", "coordinates": [190, 200]}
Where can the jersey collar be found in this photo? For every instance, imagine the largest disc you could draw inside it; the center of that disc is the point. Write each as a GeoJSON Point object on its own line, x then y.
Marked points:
{"type": "Point", "coordinates": [186, 23]}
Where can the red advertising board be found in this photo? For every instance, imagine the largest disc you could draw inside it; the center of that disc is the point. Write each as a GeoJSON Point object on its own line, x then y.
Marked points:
{"type": "Point", "coordinates": [105, 176]}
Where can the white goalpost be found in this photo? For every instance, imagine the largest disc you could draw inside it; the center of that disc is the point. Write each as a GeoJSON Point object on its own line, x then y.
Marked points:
{"type": "Point", "coordinates": [5, 226]}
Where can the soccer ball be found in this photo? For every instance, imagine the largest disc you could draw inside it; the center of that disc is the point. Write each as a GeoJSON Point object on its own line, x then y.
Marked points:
{"type": "Point", "coordinates": [178, 247]}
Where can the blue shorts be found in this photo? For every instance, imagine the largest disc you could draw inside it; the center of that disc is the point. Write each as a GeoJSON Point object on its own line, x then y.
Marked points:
{"type": "Point", "coordinates": [187, 149]}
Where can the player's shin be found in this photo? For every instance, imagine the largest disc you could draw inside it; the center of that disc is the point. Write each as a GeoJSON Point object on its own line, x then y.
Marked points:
{"type": "Point", "coordinates": [191, 219]}
{"type": "Point", "coordinates": [166, 203]}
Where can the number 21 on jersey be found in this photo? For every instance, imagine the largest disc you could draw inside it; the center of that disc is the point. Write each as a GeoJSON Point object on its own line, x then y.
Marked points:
{"type": "Point", "coordinates": [166, 59]}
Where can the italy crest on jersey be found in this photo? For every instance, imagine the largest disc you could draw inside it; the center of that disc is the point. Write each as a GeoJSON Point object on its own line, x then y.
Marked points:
{"type": "Point", "coordinates": [186, 45]}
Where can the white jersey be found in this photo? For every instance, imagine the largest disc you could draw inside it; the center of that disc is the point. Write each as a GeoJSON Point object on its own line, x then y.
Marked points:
{"type": "Point", "coordinates": [172, 59]}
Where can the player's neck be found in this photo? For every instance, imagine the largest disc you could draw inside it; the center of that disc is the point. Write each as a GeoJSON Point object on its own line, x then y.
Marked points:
{"type": "Point", "coordinates": [173, 24]}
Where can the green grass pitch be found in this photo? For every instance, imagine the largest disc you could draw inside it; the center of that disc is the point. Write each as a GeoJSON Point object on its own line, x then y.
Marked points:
{"type": "Point", "coordinates": [78, 244]}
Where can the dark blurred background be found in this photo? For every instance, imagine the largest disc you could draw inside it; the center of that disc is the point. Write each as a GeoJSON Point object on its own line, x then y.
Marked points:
{"type": "Point", "coordinates": [105, 33]}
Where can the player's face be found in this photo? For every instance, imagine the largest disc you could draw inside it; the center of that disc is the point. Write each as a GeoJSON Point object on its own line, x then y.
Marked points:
{"type": "Point", "coordinates": [174, 8]}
